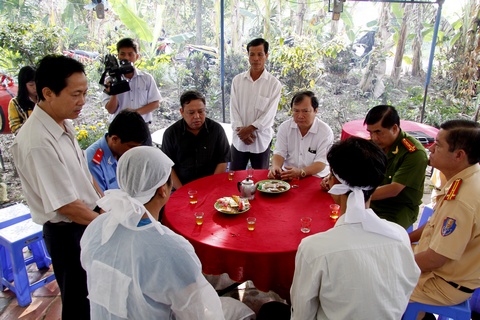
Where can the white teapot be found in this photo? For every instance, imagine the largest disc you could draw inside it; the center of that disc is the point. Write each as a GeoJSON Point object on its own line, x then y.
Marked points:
{"type": "Point", "coordinates": [247, 188]}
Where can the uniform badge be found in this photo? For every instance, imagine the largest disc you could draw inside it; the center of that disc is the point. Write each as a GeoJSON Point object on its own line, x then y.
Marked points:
{"type": "Point", "coordinates": [449, 225]}
{"type": "Point", "coordinates": [452, 192]}
{"type": "Point", "coordinates": [409, 145]}
{"type": "Point", "coordinates": [396, 150]}
{"type": "Point", "coordinates": [97, 157]}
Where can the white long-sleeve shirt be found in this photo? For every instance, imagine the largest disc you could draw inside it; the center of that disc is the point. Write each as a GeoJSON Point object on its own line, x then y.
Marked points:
{"type": "Point", "coordinates": [254, 103]}
{"type": "Point", "coordinates": [349, 273]}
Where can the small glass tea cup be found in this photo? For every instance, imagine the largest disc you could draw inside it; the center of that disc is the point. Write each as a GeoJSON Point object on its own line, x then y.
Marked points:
{"type": "Point", "coordinates": [294, 182]}
{"type": "Point", "coordinates": [334, 210]}
{"type": "Point", "coordinates": [251, 223]}
{"type": "Point", "coordinates": [306, 224]}
{"type": "Point", "coordinates": [199, 218]}
{"type": "Point", "coordinates": [192, 196]}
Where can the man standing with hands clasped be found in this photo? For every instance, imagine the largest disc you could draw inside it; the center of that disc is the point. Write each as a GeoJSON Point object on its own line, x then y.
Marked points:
{"type": "Point", "coordinates": [253, 105]}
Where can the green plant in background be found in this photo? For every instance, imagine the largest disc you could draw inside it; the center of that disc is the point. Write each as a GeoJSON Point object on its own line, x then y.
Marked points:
{"type": "Point", "coordinates": [200, 76]}
{"type": "Point", "coordinates": [158, 66]}
{"type": "Point", "coordinates": [337, 56]}
{"type": "Point", "coordinates": [88, 134]}
{"type": "Point", "coordinates": [295, 66]}
{"type": "Point", "coordinates": [25, 44]}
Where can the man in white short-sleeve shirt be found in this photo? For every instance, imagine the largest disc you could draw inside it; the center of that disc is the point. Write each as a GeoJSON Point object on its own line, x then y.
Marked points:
{"type": "Point", "coordinates": [302, 142]}
{"type": "Point", "coordinates": [143, 95]}
{"type": "Point", "coordinates": [55, 179]}
{"type": "Point", "coordinates": [253, 105]}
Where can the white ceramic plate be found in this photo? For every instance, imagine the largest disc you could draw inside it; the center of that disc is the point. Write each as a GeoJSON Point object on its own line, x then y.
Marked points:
{"type": "Point", "coordinates": [262, 186]}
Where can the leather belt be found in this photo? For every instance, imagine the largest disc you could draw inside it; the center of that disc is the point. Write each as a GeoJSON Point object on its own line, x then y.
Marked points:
{"type": "Point", "coordinates": [459, 287]}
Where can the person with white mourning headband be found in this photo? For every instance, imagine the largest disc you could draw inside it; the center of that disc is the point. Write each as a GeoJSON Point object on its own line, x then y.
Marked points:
{"type": "Point", "coordinates": [136, 267]}
{"type": "Point", "coordinates": [364, 267]}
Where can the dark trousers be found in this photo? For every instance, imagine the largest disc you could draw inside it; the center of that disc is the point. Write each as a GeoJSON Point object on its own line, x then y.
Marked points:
{"type": "Point", "coordinates": [274, 310]}
{"type": "Point", "coordinates": [149, 141]}
{"type": "Point", "coordinates": [257, 160]}
{"type": "Point", "coordinates": [63, 244]}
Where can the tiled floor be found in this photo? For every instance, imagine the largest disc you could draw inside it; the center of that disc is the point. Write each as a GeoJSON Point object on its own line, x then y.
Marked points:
{"type": "Point", "coordinates": [46, 303]}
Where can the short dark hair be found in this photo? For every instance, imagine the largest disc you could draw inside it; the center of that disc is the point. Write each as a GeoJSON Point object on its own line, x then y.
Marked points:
{"type": "Point", "coordinates": [127, 43]}
{"type": "Point", "coordinates": [25, 75]}
{"type": "Point", "coordinates": [298, 98]}
{"type": "Point", "coordinates": [129, 126]}
{"type": "Point", "coordinates": [190, 95]}
{"type": "Point", "coordinates": [53, 71]}
{"type": "Point", "coordinates": [464, 135]}
{"type": "Point", "coordinates": [371, 160]}
{"type": "Point", "coordinates": [385, 113]}
{"type": "Point", "coordinates": [257, 42]}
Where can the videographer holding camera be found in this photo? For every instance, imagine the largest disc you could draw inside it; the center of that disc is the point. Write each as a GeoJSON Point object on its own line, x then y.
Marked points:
{"type": "Point", "coordinates": [143, 95]}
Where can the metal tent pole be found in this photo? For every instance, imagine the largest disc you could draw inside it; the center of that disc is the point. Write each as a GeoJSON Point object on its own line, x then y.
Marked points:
{"type": "Point", "coordinates": [432, 53]}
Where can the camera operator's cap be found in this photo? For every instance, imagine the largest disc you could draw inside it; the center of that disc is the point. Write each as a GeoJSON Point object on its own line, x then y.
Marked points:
{"type": "Point", "coordinates": [142, 170]}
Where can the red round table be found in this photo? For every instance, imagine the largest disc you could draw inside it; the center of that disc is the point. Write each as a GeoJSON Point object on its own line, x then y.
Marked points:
{"type": "Point", "coordinates": [224, 245]}
{"type": "Point", "coordinates": [423, 132]}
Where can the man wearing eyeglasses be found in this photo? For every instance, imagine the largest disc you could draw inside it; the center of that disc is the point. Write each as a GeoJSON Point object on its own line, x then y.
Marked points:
{"type": "Point", "coordinates": [302, 142]}
{"type": "Point", "coordinates": [196, 144]}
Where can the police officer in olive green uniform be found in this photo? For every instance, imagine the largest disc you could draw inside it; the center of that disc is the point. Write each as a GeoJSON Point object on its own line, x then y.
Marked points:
{"type": "Point", "coordinates": [448, 244]}
{"type": "Point", "coordinates": [400, 195]}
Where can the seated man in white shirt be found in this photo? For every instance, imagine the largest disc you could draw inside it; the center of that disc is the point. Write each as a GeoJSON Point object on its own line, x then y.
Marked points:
{"type": "Point", "coordinates": [364, 267]}
{"type": "Point", "coordinates": [302, 142]}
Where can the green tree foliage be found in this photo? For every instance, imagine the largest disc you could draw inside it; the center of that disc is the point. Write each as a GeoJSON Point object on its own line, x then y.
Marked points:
{"type": "Point", "coordinates": [297, 66]}
{"type": "Point", "coordinates": [25, 44]}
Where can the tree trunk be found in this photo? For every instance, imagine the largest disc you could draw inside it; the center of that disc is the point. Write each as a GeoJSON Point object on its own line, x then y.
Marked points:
{"type": "Point", "coordinates": [397, 63]}
{"type": "Point", "coordinates": [372, 79]}
{"type": "Point", "coordinates": [236, 31]}
{"type": "Point", "coordinates": [417, 68]}
{"type": "Point", "coordinates": [301, 9]}
{"type": "Point", "coordinates": [266, 29]}
{"type": "Point", "coordinates": [198, 22]}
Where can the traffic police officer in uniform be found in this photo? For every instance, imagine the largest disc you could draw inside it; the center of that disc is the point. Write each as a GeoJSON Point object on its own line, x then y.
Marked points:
{"type": "Point", "coordinates": [448, 249]}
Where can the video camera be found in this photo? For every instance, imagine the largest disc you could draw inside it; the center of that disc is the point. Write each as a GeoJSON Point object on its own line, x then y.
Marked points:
{"type": "Point", "coordinates": [112, 76]}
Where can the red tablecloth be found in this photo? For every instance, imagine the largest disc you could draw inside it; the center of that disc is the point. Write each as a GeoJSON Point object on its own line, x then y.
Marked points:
{"type": "Point", "coordinates": [357, 129]}
{"type": "Point", "coordinates": [266, 255]}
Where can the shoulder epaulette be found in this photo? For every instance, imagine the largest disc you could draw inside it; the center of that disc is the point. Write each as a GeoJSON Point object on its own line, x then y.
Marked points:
{"type": "Point", "coordinates": [409, 145]}
{"type": "Point", "coordinates": [98, 156]}
{"type": "Point", "coordinates": [452, 192]}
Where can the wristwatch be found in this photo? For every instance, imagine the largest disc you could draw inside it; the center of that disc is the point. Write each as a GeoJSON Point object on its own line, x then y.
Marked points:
{"type": "Point", "coordinates": [303, 174]}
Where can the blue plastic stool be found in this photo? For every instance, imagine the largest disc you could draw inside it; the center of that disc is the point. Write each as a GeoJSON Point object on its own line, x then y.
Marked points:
{"type": "Point", "coordinates": [426, 214]}
{"type": "Point", "coordinates": [13, 214]}
{"type": "Point", "coordinates": [475, 301]}
{"type": "Point", "coordinates": [9, 216]}
{"type": "Point", "coordinates": [458, 312]}
{"type": "Point", "coordinates": [12, 241]}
